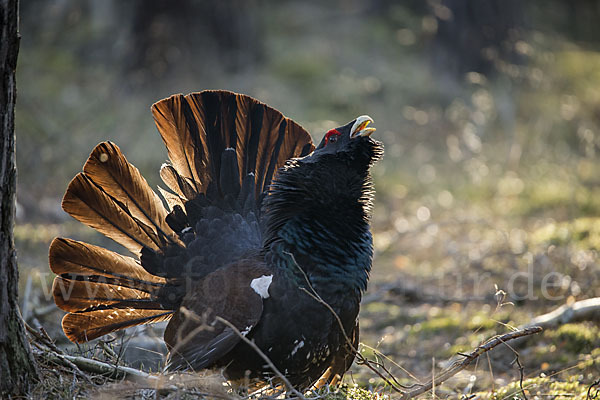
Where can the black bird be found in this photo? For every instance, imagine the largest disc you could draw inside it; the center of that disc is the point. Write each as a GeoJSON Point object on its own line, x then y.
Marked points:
{"type": "Point", "coordinates": [265, 234]}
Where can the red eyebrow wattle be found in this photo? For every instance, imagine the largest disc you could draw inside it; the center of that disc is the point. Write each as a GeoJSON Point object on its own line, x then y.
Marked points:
{"type": "Point", "coordinates": [330, 133]}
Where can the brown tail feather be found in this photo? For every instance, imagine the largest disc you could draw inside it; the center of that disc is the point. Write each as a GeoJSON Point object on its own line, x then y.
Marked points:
{"type": "Point", "coordinates": [198, 127]}
{"type": "Point", "coordinates": [111, 196]}
{"type": "Point", "coordinates": [109, 169]}
{"type": "Point", "coordinates": [171, 199]}
{"type": "Point", "coordinates": [84, 326]}
{"type": "Point", "coordinates": [71, 257]}
{"type": "Point", "coordinates": [177, 183]}
{"type": "Point", "coordinates": [79, 295]}
{"type": "Point", "coordinates": [103, 291]}
{"type": "Point", "coordinates": [88, 203]}
{"type": "Point", "coordinates": [179, 132]}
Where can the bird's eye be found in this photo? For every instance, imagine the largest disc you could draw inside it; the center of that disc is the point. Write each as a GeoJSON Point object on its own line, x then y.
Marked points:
{"type": "Point", "coordinates": [332, 136]}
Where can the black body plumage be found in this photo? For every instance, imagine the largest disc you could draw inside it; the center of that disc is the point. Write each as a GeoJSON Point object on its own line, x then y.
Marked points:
{"type": "Point", "coordinates": [260, 227]}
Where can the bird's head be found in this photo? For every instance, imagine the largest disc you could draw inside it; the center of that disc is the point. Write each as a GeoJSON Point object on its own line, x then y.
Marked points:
{"type": "Point", "coordinates": [353, 139]}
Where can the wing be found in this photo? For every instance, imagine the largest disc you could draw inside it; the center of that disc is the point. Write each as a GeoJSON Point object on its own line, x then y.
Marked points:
{"type": "Point", "coordinates": [196, 339]}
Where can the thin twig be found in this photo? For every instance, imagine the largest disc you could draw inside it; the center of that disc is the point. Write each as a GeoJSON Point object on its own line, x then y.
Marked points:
{"type": "Point", "coordinates": [250, 343]}
{"type": "Point", "coordinates": [491, 372]}
{"type": "Point", "coordinates": [41, 336]}
{"type": "Point", "coordinates": [433, 378]}
{"type": "Point", "coordinates": [521, 369]}
{"type": "Point", "coordinates": [521, 376]}
{"type": "Point", "coordinates": [380, 354]}
{"type": "Point", "coordinates": [182, 341]}
{"type": "Point", "coordinates": [595, 385]}
{"type": "Point", "coordinates": [459, 365]}
{"type": "Point", "coordinates": [66, 363]}
{"type": "Point", "coordinates": [360, 359]}
{"type": "Point", "coordinates": [318, 298]}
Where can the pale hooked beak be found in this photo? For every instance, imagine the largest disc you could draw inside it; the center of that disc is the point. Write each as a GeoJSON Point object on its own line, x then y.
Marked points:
{"type": "Point", "coordinates": [361, 128]}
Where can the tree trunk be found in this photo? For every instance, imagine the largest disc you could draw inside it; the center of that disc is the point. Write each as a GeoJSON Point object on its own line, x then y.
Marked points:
{"type": "Point", "coordinates": [17, 366]}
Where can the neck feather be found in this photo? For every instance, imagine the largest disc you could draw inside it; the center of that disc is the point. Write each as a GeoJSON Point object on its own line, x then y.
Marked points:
{"type": "Point", "coordinates": [320, 213]}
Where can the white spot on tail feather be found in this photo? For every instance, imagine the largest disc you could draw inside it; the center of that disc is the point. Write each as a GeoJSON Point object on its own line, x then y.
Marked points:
{"type": "Point", "coordinates": [261, 285]}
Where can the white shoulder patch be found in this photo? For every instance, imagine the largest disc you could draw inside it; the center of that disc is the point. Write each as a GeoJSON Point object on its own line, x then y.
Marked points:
{"type": "Point", "coordinates": [261, 285]}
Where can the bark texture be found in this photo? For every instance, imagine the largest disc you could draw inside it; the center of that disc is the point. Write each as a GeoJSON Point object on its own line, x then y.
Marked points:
{"type": "Point", "coordinates": [17, 366]}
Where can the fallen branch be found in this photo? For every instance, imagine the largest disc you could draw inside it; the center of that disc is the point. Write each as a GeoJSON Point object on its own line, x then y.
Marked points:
{"type": "Point", "coordinates": [97, 367]}
{"type": "Point", "coordinates": [81, 364]}
{"type": "Point", "coordinates": [583, 310]}
{"type": "Point", "coordinates": [459, 365]}
{"type": "Point", "coordinates": [67, 363]}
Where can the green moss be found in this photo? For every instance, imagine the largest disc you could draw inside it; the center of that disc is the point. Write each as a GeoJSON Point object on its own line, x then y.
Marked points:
{"type": "Point", "coordinates": [345, 392]}
{"type": "Point", "coordinates": [481, 321]}
{"type": "Point", "coordinates": [546, 194]}
{"type": "Point", "coordinates": [590, 360]}
{"type": "Point", "coordinates": [436, 325]}
{"type": "Point", "coordinates": [575, 338]}
{"type": "Point", "coordinates": [540, 386]}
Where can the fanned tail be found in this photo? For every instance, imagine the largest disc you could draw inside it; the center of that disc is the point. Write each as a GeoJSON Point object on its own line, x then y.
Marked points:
{"type": "Point", "coordinates": [103, 291]}
{"type": "Point", "coordinates": [224, 149]}
{"type": "Point", "coordinates": [217, 140]}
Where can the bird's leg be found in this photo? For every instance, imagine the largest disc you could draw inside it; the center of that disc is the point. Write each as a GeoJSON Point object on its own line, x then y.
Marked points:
{"type": "Point", "coordinates": [335, 380]}
{"type": "Point", "coordinates": [323, 379]}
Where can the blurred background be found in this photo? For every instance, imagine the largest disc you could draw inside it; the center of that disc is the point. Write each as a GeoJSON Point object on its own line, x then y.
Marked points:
{"type": "Point", "coordinates": [488, 197]}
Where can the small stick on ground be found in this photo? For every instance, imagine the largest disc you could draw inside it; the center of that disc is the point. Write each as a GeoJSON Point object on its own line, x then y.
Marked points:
{"type": "Point", "coordinates": [97, 367]}
{"type": "Point", "coordinates": [583, 310]}
{"type": "Point", "coordinates": [459, 365]}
